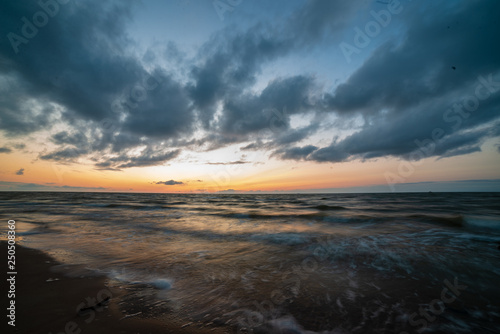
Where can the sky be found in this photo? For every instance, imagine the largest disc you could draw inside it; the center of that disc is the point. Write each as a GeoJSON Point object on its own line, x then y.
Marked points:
{"type": "Point", "coordinates": [249, 96]}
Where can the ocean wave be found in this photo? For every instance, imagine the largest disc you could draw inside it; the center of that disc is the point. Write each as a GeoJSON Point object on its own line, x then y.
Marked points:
{"type": "Point", "coordinates": [276, 215]}
{"type": "Point", "coordinates": [31, 232]}
{"type": "Point", "coordinates": [482, 223]}
{"type": "Point", "coordinates": [134, 206]}
{"type": "Point", "coordinates": [448, 220]}
{"type": "Point", "coordinates": [289, 239]}
{"type": "Point", "coordinates": [324, 207]}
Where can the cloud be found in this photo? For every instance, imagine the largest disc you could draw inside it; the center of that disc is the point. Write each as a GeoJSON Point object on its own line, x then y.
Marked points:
{"type": "Point", "coordinates": [20, 171]}
{"type": "Point", "coordinates": [402, 93]}
{"type": "Point", "coordinates": [295, 153]}
{"type": "Point", "coordinates": [231, 60]}
{"type": "Point", "coordinates": [163, 113]}
{"type": "Point", "coordinates": [405, 93]}
{"type": "Point", "coordinates": [411, 134]}
{"type": "Point", "coordinates": [105, 82]}
{"type": "Point", "coordinates": [75, 138]}
{"type": "Point", "coordinates": [47, 63]}
{"type": "Point", "coordinates": [329, 154]}
{"type": "Point", "coordinates": [238, 162]}
{"type": "Point", "coordinates": [79, 70]}
{"type": "Point", "coordinates": [169, 183]}
{"type": "Point", "coordinates": [398, 76]}
{"type": "Point", "coordinates": [65, 154]}
{"type": "Point", "coordinates": [270, 110]}
{"type": "Point", "coordinates": [81, 79]}
{"type": "Point", "coordinates": [147, 157]}
{"type": "Point", "coordinates": [295, 135]}
{"type": "Point", "coordinates": [107, 86]}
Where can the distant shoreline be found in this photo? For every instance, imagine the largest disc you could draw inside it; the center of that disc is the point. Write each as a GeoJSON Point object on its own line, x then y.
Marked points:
{"type": "Point", "coordinates": [250, 192]}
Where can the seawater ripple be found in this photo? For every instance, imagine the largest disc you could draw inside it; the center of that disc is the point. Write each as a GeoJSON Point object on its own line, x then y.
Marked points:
{"type": "Point", "coordinates": [306, 263]}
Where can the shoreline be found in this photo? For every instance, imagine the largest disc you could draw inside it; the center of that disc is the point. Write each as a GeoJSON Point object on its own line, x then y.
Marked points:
{"type": "Point", "coordinates": [47, 301]}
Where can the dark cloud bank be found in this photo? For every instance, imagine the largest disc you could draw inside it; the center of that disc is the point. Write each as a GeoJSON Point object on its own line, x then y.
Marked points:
{"type": "Point", "coordinates": [433, 91]}
{"type": "Point", "coordinates": [169, 183]}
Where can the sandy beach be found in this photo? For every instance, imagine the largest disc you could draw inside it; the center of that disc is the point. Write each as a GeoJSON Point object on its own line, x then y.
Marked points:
{"type": "Point", "coordinates": [47, 301]}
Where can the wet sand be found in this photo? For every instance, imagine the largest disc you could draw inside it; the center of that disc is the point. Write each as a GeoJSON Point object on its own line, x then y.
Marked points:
{"type": "Point", "coordinates": [47, 301]}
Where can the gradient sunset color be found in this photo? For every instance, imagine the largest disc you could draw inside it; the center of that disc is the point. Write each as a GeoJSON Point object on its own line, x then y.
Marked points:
{"type": "Point", "coordinates": [288, 96]}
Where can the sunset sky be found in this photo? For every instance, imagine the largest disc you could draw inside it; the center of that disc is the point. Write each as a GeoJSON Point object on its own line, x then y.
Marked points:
{"type": "Point", "coordinates": [249, 95]}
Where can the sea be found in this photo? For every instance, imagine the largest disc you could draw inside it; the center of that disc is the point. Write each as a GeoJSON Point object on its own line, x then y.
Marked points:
{"type": "Point", "coordinates": [280, 263]}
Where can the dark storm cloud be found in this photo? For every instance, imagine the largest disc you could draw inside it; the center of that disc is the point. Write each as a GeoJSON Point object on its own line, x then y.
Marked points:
{"type": "Point", "coordinates": [270, 110]}
{"type": "Point", "coordinates": [78, 60]}
{"type": "Point", "coordinates": [64, 137]}
{"type": "Point", "coordinates": [406, 91]}
{"type": "Point", "coordinates": [422, 132]}
{"type": "Point", "coordinates": [120, 142]}
{"type": "Point", "coordinates": [75, 58]}
{"type": "Point", "coordinates": [465, 142]}
{"type": "Point", "coordinates": [295, 153]}
{"type": "Point", "coordinates": [232, 65]}
{"type": "Point", "coordinates": [232, 60]}
{"type": "Point", "coordinates": [5, 150]}
{"type": "Point", "coordinates": [148, 157]}
{"type": "Point", "coordinates": [169, 183]}
{"type": "Point", "coordinates": [80, 69]}
{"type": "Point", "coordinates": [238, 162]}
{"type": "Point", "coordinates": [19, 115]}
{"type": "Point", "coordinates": [295, 135]}
{"type": "Point", "coordinates": [67, 154]}
{"type": "Point", "coordinates": [265, 114]}
{"type": "Point", "coordinates": [400, 76]}
{"type": "Point", "coordinates": [319, 19]}
{"type": "Point", "coordinates": [329, 154]}
{"type": "Point", "coordinates": [163, 113]}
